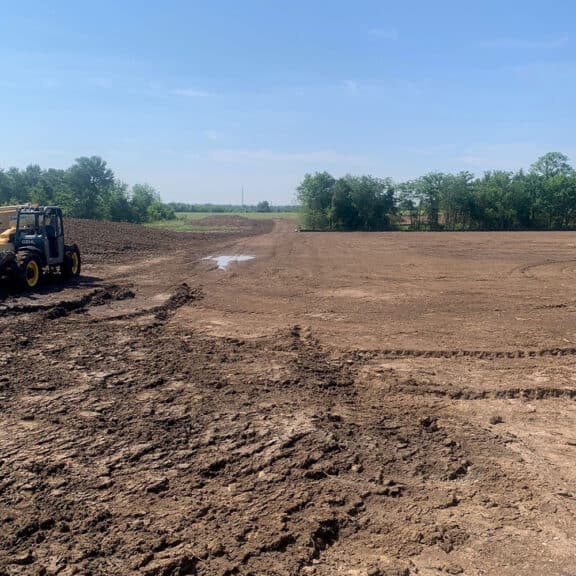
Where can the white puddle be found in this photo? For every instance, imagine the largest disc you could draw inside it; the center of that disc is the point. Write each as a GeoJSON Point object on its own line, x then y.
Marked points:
{"type": "Point", "coordinates": [223, 261]}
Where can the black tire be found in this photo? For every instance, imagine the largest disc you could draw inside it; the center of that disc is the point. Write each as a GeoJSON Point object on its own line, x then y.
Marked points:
{"type": "Point", "coordinates": [72, 265]}
{"type": "Point", "coordinates": [29, 270]}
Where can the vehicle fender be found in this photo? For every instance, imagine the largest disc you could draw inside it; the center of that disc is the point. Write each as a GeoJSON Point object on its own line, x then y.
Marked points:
{"type": "Point", "coordinates": [34, 250]}
{"type": "Point", "coordinates": [6, 259]}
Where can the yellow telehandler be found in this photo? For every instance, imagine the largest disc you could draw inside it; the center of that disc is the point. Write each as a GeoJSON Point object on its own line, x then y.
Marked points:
{"type": "Point", "coordinates": [32, 242]}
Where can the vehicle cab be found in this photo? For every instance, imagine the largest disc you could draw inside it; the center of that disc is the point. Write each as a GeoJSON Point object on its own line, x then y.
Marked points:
{"type": "Point", "coordinates": [41, 229]}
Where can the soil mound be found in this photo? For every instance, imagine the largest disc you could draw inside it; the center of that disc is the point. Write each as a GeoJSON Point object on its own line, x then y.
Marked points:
{"type": "Point", "coordinates": [102, 242]}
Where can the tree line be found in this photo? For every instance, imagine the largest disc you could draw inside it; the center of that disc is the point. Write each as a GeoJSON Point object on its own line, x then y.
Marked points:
{"type": "Point", "coordinates": [263, 206]}
{"type": "Point", "coordinates": [543, 198]}
{"type": "Point", "coordinates": [88, 189]}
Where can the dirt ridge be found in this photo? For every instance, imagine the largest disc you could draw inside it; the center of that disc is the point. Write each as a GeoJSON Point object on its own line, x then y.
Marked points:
{"type": "Point", "coordinates": [459, 353]}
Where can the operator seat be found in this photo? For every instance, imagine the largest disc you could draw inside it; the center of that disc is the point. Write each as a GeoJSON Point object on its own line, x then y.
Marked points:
{"type": "Point", "coordinates": [52, 241]}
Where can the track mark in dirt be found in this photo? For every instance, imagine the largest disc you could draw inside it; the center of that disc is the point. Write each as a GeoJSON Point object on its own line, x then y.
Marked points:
{"type": "Point", "coordinates": [97, 297]}
{"type": "Point", "coordinates": [480, 354]}
{"type": "Point", "coordinates": [180, 296]}
{"type": "Point", "coordinates": [539, 393]}
{"type": "Point", "coordinates": [550, 265]}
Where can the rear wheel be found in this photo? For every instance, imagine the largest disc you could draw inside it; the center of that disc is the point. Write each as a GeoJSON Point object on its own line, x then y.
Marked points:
{"type": "Point", "coordinates": [29, 269]}
{"type": "Point", "coordinates": [72, 265]}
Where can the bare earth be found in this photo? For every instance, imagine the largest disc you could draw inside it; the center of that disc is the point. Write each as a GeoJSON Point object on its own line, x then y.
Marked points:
{"type": "Point", "coordinates": [363, 404]}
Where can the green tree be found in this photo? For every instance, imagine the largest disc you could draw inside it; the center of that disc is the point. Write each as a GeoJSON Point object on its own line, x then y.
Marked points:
{"type": "Point", "coordinates": [493, 205]}
{"type": "Point", "coordinates": [409, 204]}
{"type": "Point", "coordinates": [519, 201]}
{"type": "Point", "coordinates": [119, 207]}
{"type": "Point", "coordinates": [263, 206]}
{"type": "Point", "coordinates": [342, 214]}
{"type": "Point", "coordinates": [552, 164]}
{"type": "Point", "coordinates": [456, 200]}
{"type": "Point", "coordinates": [430, 190]}
{"type": "Point", "coordinates": [143, 196]}
{"type": "Point", "coordinates": [91, 182]}
{"type": "Point", "coordinates": [374, 201]}
{"type": "Point", "coordinates": [58, 190]}
{"type": "Point", "coordinates": [560, 194]}
{"type": "Point", "coordinates": [19, 190]}
{"type": "Point", "coordinates": [159, 211]}
{"type": "Point", "coordinates": [5, 188]}
{"type": "Point", "coordinates": [315, 197]}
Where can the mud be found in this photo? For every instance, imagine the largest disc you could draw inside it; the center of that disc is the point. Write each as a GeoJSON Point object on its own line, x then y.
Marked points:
{"type": "Point", "coordinates": [346, 404]}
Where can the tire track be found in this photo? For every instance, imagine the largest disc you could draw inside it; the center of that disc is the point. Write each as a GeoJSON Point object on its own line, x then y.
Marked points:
{"type": "Point", "coordinates": [528, 270]}
{"type": "Point", "coordinates": [414, 387]}
{"type": "Point", "coordinates": [97, 297]}
{"type": "Point", "coordinates": [459, 353]}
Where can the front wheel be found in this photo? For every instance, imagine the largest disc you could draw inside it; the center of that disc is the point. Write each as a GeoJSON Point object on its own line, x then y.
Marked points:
{"type": "Point", "coordinates": [72, 264]}
{"type": "Point", "coordinates": [29, 269]}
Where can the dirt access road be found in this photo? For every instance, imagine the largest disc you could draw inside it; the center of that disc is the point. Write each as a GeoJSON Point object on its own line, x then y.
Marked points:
{"type": "Point", "coordinates": [341, 404]}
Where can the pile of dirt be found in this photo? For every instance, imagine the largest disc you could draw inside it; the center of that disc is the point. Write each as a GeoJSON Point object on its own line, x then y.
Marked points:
{"type": "Point", "coordinates": [180, 297]}
{"type": "Point", "coordinates": [105, 242]}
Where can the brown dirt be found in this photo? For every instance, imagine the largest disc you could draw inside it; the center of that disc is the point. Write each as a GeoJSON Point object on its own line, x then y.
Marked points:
{"type": "Point", "coordinates": [353, 404]}
{"type": "Point", "coordinates": [102, 242]}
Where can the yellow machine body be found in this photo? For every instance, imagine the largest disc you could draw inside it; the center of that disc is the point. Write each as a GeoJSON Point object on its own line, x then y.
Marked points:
{"type": "Point", "coordinates": [6, 243]}
{"type": "Point", "coordinates": [8, 215]}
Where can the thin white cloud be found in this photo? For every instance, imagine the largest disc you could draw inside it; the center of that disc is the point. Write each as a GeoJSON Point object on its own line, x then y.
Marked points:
{"type": "Point", "coordinates": [51, 83]}
{"type": "Point", "coordinates": [190, 93]}
{"type": "Point", "coordinates": [502, 156]}
{"type": "Point", "coordinates": [524, 44]}
{"type": "Point", "coordinates": [385, 85]}
{"type": "Point", "coordinates": [544, 71]}
{"type": "Point", "coordinates": [352, 86]}
{"type": "Point", "coordinates": [212, 134]}
{"type": "Point", "coordinates": [101, 82]}
{"type": "Point", "coordinates": [433, 150]}
{"type": "Point", "coordinates": [384, 33]}
{"type": "Point", "coordinates": [320, 157]}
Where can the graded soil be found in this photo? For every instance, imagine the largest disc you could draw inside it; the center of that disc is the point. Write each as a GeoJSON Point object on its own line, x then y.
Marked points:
{"type": "Point", "coordinates": [345, 403]}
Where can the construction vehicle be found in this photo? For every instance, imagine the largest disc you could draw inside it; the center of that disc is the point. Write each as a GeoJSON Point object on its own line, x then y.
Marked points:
{"type": "Point", "coordinates": [32, 243]}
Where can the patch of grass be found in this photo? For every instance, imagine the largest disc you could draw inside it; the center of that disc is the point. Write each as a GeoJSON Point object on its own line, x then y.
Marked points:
{"type": "Point", "coordinates": [189, 225]}
{"type": "Point", "coordinates": [253, 215]}
{"type": "Point", "coordinates": [192, 221]}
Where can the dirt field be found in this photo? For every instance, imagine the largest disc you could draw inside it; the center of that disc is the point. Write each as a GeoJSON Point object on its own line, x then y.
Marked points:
{"type": "Point", "coordinates": [361, 404]}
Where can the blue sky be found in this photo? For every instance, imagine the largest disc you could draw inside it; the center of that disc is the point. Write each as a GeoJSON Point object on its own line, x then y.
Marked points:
{"type": "Point", "coordinates": [200, 98]}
